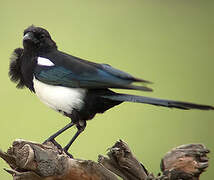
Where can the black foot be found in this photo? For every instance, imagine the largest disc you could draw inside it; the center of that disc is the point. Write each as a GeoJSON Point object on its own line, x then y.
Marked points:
{"type": "Point", "coordinates": [58, 146]}
{"type": "Point", "coordinates": [48, 140]}
{"type": "Point", "coordinates": [70, 155]}
{"type": "Point", "coordinates": [55, 144]}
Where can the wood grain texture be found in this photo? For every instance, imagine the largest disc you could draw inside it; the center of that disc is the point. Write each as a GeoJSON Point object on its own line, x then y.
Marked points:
{"type": "Point", "coordinates": [34, 161]}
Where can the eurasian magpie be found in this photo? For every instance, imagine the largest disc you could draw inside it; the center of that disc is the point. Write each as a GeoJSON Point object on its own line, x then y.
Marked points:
{"type": "Point", "coordinates": [77, 88]}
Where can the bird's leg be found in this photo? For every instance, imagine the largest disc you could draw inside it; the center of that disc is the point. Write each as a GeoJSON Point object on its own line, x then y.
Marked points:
{"type": "Point", "coordinates": [51, 138]}
{"type": "Point", "coordinates": [80, 128]}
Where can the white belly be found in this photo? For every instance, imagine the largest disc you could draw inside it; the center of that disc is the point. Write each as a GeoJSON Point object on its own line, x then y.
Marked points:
{"type": "Point", "coordinates": [59, 98]}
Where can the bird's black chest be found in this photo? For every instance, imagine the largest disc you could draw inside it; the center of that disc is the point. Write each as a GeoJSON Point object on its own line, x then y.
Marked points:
{"type": "Point", "coordinates": [27, 68]}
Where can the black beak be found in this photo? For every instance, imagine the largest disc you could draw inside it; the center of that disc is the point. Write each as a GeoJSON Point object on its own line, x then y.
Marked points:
{"type": "Point", "coordinates": [29, 37]}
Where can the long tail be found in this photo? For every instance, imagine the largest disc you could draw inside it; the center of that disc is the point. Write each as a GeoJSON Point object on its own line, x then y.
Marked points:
{"type": "Point", "coordinates": [158, 102]}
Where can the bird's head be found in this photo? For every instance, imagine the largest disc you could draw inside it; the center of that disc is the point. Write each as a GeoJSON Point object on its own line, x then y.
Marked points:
{"type": "Point", "coordinates": [38, 40]}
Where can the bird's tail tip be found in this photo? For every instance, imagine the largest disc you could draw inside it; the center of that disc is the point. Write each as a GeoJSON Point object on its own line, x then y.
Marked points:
{"type": "Point", "coordinates": [143, 81]}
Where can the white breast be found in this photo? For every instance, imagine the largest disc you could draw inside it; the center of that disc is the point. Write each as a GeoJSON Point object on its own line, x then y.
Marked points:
{"type": "Point", "coordinates": [58, 97]}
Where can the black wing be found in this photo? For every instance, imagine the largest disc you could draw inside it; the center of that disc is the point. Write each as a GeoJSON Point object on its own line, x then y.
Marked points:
{"type": "Point", "coordinates": [74, 72]}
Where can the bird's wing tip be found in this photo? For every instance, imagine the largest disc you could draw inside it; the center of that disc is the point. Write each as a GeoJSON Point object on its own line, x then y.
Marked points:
{"type": "Point", "coordinates": [143, 81]}
{"type": "Point", "coordinates": [141, 88]}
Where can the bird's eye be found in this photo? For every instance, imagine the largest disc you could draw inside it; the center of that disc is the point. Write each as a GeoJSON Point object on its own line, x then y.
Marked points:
{"type": "Point", "coordinates": [42, 36]}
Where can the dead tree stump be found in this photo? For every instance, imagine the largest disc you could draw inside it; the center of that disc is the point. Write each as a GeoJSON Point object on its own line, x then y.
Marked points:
{"type": "Point", "coordinates": [34, 161]}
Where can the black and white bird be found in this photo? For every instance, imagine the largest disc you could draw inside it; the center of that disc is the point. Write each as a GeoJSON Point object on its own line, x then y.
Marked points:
{"type": "Point", "coordinates": [77, 88]}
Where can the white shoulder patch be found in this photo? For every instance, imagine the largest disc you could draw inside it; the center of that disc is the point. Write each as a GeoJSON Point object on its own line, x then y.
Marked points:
{"type": "Point", "coordinates": [44, 62]}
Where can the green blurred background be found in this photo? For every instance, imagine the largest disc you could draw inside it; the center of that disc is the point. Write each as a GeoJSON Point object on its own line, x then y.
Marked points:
{"type": "Point", "coordinates": [168, 42]}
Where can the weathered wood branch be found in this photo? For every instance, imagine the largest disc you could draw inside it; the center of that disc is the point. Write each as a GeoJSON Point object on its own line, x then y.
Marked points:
{"type": "Point", "coordinates": [34, 161]}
